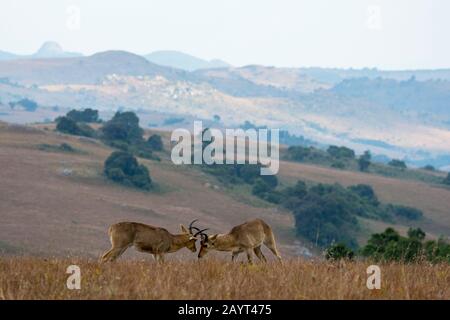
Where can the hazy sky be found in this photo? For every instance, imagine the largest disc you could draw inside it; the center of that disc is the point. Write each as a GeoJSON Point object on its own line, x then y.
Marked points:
{"type": "Point", "coordinates": [388, 34]}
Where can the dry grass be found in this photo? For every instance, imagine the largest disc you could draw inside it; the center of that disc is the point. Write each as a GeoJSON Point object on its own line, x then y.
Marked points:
{"type": "Point", "coordinates": [33, 278]}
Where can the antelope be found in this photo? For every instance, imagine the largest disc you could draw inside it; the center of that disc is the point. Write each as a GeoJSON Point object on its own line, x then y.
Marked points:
{"type": "Point", "coordinates": [247, 237]}
{"type": "Point", "coordinates": [146, 238]}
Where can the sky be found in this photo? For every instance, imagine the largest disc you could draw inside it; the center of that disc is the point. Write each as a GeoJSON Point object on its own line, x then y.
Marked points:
{"type": "Point", "coordinates": [387, 34]}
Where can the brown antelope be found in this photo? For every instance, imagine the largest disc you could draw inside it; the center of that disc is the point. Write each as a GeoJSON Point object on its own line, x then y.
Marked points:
{"type": "Point", "coordinates": [149, 239]}
{"type": "Point", "coordinates": [247, 237]}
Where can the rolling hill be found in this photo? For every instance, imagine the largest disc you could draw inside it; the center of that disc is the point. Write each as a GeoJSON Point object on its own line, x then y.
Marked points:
{"type": "Point", "coordinates": [395, 114]}
{"type": "Point", "coordinates": [59, 203]}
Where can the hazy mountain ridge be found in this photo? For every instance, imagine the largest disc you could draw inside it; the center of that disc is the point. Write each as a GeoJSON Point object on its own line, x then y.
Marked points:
{"type": "Point", "coordinates": [48, 50]}
{"type": "Point", "coordinates": [403, 117]}
{"type": "Point", "coordinates": [180, 60]}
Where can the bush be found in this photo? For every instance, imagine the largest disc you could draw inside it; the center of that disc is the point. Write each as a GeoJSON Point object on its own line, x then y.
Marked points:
{"type": "Point", "coordinates": [338, 165]}
{"type": "Point", "coordinates": [447, 179]}
{"type": "Point", "coordinates": [391, 246]}
{"type": "Point", "coordinates": [341, 152]}
{"type": "Point", "coordinates": [339, 251]}
{"type": "Point", "coordinates": [365, 191]}
{"type": "Point", "coordinates": [122, 167]}
{"type": "Point", "coordinates": [406, 212]}
{"type": "Point", "coordinates": [155, 142]}
{"type": "Point", "coordinates": [69, 126]}
{"type": "Point", "coordinates": [397, 164]}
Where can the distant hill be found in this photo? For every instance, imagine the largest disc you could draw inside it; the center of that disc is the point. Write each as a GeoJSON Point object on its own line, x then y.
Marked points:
{"type": "Point", "coordinates": [184, 61]}
{"type": "Point", "coordinates": [86, 70]}
{"type": "Point", "coordinates": [48, 50]}
{"type": "Point", "coordinates": [7, 56]}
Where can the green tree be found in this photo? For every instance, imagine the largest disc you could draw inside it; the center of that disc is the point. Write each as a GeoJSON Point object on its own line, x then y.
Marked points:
{"type": "Point", "coordinates": [341, 152]}
{"type": "Point", "coordinates": [364, 161]}
{"type": "Point", "coordinates": [122, 167]}
{"type": "Point", "coordinates": [155, 142]}
{"type": "Point", "coordinates": [123, 127]}
{"type": "Point", "coordinates": [87, 115]}
{"type": "Point", "coordinates": [397, 164]}
{"type": "Point", "coordinates": [69, 126]}
{"type": "Point", "coordinates": [339, 251]}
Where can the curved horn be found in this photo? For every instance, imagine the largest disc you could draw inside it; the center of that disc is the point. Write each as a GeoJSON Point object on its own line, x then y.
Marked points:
{"type": "Point", "coordinates": [201, 232]}
{"type": "Point", "coordinates": [192, 227]}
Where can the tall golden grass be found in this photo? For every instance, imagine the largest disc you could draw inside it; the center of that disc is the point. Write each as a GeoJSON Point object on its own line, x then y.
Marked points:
{"type": "Point", "coordinates": [35, 278]}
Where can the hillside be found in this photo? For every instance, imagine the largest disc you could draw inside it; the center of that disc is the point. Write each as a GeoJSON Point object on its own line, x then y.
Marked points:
{"type": "Point", "coordinates": [56, 203]}
{"type": "Point", "coordinates": [63, 204]}
{"type": "Point", "coordinates": [393, 115]}
{"type": "Point", "coordinates": [82, 70]}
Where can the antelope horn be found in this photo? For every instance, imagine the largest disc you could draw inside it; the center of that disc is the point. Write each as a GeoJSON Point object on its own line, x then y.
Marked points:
{"type": "Point", "coordinates": [201, 232]}
{"type": "Point", "coordinates": [192, 227]}
{"type": "Point", "coordinates": [204, 237]}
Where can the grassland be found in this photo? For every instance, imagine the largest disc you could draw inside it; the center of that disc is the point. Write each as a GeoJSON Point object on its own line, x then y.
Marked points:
{"type": "Point", "coordinates": [33, 278]}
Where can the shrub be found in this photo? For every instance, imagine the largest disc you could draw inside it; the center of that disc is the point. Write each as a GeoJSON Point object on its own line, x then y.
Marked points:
{"type": "Point", "coordinates": [391, 246]}
{"type": "Point", "coordinates": [69, 126]}
{"type": "Point", "coordinates": [339, 251]}
{"type": "Point", "coordinates": [365, 191]}
{"type": "Point", "coordinates": [338, 165]}
{"type": "Point", "coordinates": [397, 164]}
{"type": "Point", "coordinates": [406, 212]}
{"type": "Point", "coordinates": [122, 167]}
{"type": "Point", "coordinates": [155, 142]}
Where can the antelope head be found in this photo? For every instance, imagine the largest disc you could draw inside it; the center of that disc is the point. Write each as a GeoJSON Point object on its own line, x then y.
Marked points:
{"type": "Point", "coordinates": [191, 233]}
{"type": "Point", "coordinates": [207, 243]}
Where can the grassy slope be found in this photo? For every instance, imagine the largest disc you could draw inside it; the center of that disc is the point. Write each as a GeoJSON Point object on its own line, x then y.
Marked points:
{"type": "Point", "coordinates": [45, 212]}
{"type": "Point", "coordinates": [432, 199]}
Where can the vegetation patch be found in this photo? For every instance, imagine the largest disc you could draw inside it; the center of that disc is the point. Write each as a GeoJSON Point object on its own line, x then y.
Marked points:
{"type": "Point", "coordinates": [123, 168]}
{"type": "Point", "coordinates": [63, 147]}
{"type": "Point", "coordinates": [391, 246]}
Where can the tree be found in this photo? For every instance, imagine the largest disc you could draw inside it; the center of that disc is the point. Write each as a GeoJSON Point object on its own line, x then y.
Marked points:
{"type": "Point", "coordinates": [397, 164]}
{"type": "Point", "coordinates": [87, 115]}
{"type": "Point", "coordinates": [69, 126]}
{"type": "Point", "coordinates": [364, 161]}
{"type": "Point", "coordinates": [124, 127]}
{"type": "Point", "coordinates": [155, 142]}
{"type": "Point", "coordinates": [341, 152]}
{"type": "Point", "coordinates": [447, 179]}
{"type": "Point", "coordinates": [123, 168]}
{"type": "Point", "coordinates": [391, 246]}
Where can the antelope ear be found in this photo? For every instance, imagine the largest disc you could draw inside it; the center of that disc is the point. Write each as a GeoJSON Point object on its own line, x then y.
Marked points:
{"type": "Point", "coordinates": [213, 237]}
{"type": "Point", "coordinates": [183, 229]}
